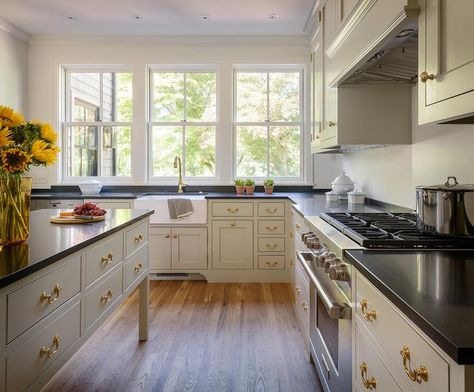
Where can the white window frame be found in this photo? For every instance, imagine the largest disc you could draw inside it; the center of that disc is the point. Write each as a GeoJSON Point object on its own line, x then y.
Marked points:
{"type": "Point", "coordinates": [190, 180]}
{"type": "Point", "coordinates": [268, 69]}
{"type": "Point", "coordinates": [66, 122]}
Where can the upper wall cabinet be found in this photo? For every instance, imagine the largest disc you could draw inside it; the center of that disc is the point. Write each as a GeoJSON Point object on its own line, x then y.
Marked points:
{"type": "Point", "coordinates": [446, 61]}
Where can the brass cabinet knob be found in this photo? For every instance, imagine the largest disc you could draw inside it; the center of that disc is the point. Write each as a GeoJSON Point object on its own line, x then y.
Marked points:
{"type": "Point", "coordinates": [292, 262]}
{"type": "Point", "coordinates": [416, 375]}
{"type": "Point", "coordinates": [369, 315]}
{"type": "Point", "coordinates": [107, 259]}
{"type": "Point", "coordinates": [304, 305]}
{"type": "Point", "coordinates": [138, 239]}
{"type": "Point", "coordinates": [291, 234]}
{"type": "Point", "coordinates": [175, 235]}
{"type": "Point", "coordinates": [167, 236]}
{"type": "Point", "coordinates": [50, 351]}
{"type": "Point", "coordinates": [331, 123]}
{"type": "Point", "coordinates": [368, 383]}
{"type": "Point", "coordinates": [298, 226]}
{"type": "Point", "coordinates": [298, 291]}
{"type": "Point", "coordinates": [233, 224]}
{"type": "Point", "coordinates": [425, 76]}
{"type": "Point", "coordinates": [107, 296]}
{"type": "Point", "coordinates": [138, 267]}
{"type": "Point", "coordinates": [50, 298]}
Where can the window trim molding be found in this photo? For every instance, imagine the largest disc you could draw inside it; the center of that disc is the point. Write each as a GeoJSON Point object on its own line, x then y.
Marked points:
{"type": "Point", "coordinates": [271, 68]}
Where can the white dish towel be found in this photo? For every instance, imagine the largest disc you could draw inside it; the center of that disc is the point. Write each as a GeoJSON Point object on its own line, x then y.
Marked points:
{"type": "Point", "coordinates": [179, 208]}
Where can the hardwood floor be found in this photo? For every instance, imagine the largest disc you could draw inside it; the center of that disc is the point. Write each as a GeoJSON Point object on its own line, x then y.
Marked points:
{"type": "Point", "coordinates": [203, 337]}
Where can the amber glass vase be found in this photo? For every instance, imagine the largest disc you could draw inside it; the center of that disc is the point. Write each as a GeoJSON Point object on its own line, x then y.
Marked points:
{"type": "Point", "coordinates": [15, 194]}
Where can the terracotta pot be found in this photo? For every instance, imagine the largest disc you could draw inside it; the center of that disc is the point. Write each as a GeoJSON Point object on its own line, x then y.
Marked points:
{"type": "Point", "coordinates": [268, 189]}
{"type": "Point", "coordinates": [240, 189]}
{"type": "Point", "coordinates": [250, 189]}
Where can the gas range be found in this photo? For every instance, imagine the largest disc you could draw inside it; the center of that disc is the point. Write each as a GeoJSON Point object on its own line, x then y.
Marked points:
{"type": "Point", "coordinates": [391, 230]}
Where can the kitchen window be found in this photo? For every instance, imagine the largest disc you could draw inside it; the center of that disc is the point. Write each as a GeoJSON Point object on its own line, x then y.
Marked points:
{"type": "Point", "coordinates": [183, 122]}
{"type": "Point", "coordinates": [97, 130]}
{"type": "Point", "coordinates": [268, 123]}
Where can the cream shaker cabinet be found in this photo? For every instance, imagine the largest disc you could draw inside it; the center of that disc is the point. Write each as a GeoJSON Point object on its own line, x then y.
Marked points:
{"type": "Point", "coordinates": [232, 244]}
{"type": "Point", "coordinates": [178, 249]}
{"type": "Point", "coordinates": [445, 60]}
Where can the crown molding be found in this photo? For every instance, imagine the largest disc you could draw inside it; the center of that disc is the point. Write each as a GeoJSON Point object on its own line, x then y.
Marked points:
{"type": "Point", "coordinates": [310, 25]}
{"type": "Point", "coordinates": [10, 28]}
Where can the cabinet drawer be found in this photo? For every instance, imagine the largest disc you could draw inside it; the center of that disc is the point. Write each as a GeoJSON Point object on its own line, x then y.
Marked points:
{"type": "Point", "coordinates": [302, 300]}
{"type": "Point", "coordinates": [103, 257]}
{"type": "Point", "coordinates": [271, 227]}
{"type": "Point", "coordinates": [271, 209]}
{"type": "Point", "coordinates": [103, 296]}
{"type": "Point", "coordinates": [393, 333]}
{"type": "Point", "coordinates": [135, 238]}
{"type": "Point", "coordinates": [134, 267]}
{"type": "Point", "coordinates": [232, 209]}
{"type": "Point", "coordinates": [30, 360]}
{"type": "Point", "coordinates": [30, 303]}
{"type": "Point", "coordinates": [373, 369]}
{"type": "Point", "coordinates": [271, 262]}
{"type": "Point", "coordinates": [271, 244]}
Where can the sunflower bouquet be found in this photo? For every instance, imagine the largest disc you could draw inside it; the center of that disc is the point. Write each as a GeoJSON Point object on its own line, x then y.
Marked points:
{"type": "Point", "coordinates": [22, 144]}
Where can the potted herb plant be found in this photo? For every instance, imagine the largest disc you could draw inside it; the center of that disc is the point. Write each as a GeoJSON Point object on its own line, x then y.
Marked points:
{"type": "Point", "coordinates": [239, 186]}
{"type": "Point", "coordinates": [268, 184]}
{"type": "Point", "coordinates": [249, 186]}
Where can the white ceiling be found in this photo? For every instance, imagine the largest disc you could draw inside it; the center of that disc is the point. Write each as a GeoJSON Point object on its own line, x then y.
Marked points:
{"type": "Point", "coordinates": [169, 17]}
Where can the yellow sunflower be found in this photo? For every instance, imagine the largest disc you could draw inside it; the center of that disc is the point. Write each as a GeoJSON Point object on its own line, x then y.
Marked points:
{"type": "Point", "coordinates": [14, 160]}
{"type": "Point", "coordinates": [9, 117]}
{"type": "Point", "coordinates": [43, 152]}
{"type": "Point", "coordinates": [47, 132]}
{"type": "Point", "coordinates": [5, 136]}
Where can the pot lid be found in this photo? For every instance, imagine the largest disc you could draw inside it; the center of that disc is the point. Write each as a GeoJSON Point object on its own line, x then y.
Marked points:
{"type": "Point", "coordinates": [342, 179]}
{"type": "Point", "coordinates": [451, 184]}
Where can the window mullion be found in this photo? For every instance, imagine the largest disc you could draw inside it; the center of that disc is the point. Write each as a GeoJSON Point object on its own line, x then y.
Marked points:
{"type": "Point", "coordinates": [268, 124]}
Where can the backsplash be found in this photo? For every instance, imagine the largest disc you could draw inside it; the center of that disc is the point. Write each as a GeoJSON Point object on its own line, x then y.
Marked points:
{"type": "Point", "coordinates": [391, 174]}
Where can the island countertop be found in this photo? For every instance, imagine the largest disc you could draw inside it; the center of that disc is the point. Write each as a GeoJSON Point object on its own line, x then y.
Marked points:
{"type": "Point", "coordinates": [432, 288]}
{"type": "Point", "coordinates": [50, 242]}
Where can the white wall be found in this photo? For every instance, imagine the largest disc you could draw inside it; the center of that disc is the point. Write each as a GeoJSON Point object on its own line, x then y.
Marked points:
{"type": "Point", "coordinates": [48, 53]}
{"type": "Point", "coordinates": [390, 174]}
{"type": "Point", "coordinates": [13, 68]}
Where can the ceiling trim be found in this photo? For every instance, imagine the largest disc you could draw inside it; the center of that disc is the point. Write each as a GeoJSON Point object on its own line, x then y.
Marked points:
{"type": "Point", "coordinates": [310, 24]}
{"type": "Point", "coordinates": [14, 30]}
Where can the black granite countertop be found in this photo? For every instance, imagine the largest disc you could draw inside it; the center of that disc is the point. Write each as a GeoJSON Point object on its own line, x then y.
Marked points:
{"type": "Point", "coordinates": [78, 195]}
{"type": "Point", "coordinates": [50, 242]}
{"type": "Point", "coordinates": [432, 288]}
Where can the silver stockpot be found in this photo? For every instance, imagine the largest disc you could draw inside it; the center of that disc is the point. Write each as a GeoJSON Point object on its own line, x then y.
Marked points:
{"type": "Point", "coordinates": [446, 209]}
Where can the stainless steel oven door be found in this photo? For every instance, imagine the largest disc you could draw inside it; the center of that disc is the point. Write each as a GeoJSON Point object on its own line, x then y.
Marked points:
{"type": "Point", "coordinates": [330, 330]}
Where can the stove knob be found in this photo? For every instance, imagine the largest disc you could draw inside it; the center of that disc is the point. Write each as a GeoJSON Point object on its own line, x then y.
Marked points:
{"type": "Point", "coordinates": [328, 263]}
{"type": "Point", "coordinates": [327, 255]}
{"type": "Point", "coordinates": [339, 272]}
{"type": "Point", "coordinates": [314, 243]}
{"type": "Point", "coordinates": [305, 235]}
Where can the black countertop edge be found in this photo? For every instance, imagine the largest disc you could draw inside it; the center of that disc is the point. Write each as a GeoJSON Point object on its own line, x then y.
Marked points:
{"type": "Point", "coordinates": [462, 356]}
{"type": "Point", "coordinates": [30, 269]}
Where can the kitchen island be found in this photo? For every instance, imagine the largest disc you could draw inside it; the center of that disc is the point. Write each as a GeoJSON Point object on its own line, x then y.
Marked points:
{"type": "Point", "coordinates": [61, 285]}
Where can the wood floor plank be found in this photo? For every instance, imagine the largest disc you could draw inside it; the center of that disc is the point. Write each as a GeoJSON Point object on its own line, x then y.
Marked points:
{"type": "Point", "coordinates": [203, 337]}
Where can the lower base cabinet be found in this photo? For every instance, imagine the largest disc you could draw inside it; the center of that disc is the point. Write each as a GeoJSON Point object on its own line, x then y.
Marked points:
{"type": "Point", "coordinates": [178, 249]}
{"type": "Point", "coordinates": [232, 246]}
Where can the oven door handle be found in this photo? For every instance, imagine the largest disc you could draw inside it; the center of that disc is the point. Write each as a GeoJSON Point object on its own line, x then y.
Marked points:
{"type": "Point", "coordinates": [335, 309]}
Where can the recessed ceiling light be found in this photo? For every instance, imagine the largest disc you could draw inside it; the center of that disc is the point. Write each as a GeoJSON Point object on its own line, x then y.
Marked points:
{"type": "Point", "coordinates": [137, 17]}
{"type": "Point", "coordinates": [205, 16]}
{"type": "Point", "coordinates": [71, 17]}
{"type": "Point", "coordinates": [273, 16]}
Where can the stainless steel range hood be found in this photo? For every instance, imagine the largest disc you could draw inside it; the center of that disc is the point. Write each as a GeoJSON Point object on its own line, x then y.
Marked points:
{"type": "Point", "coordinates": [396, 62]}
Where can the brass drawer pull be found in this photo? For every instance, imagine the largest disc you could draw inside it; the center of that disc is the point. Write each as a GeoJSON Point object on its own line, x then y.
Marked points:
{"type": "Point", "coordinates": [271, 211]}
{"type": "Point", "coordinates": [233, 210]}
{"type": "Point", "coordinates": [50, 351]}
{"type": "Point", "coordinates": [298, 291]}
{"type": "Point", "coordinates": [138, 267]}
{"type": "Point", "coordinates": [368, 383]}
{"type": "Point", "coordinates": [416, 375]}
{"type": "Point", "coordinates": [304, 305]}
{"type": "Point", "coordinates": [107, 259]}
{"type": "Point", "coordinates": [167, 236]}
{"type": "Point", "coordinates": [271, 246]}
{"type": "Point", "coordinates": [272, 228]}
{"type": "Point", "coordinates": [106, 297]}
{"type": "Point", "coordinates": [233, 224]}
{"type": "Point", "coordinates": [138, 239]}
{"type": "Point", "coordinates": [369, 315]}
{"type": "Point", "coordinates": [50, 298]}
{"type": "Point", "coordinates": [292, 262]}
{"type": "Point", "coordinates": [272, 263]}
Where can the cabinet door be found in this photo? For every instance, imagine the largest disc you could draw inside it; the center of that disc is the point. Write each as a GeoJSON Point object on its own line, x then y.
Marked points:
{"type": "Point", "coordinates": [446, 60]}
{"type": "Point", "coordinates": [344, 9]}
{"type": "Point", "coordinates": [160, 249]}
{"type": "Point", "coordinates": [317, 89]}
{"type": "Point", "coordinates": [232, 244]}
{"type": "Point", "coordinates": [189, 248]}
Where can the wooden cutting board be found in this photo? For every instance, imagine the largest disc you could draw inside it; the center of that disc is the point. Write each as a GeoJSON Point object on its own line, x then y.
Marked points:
{"type": "Point", "coordinates": [72, 220]}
